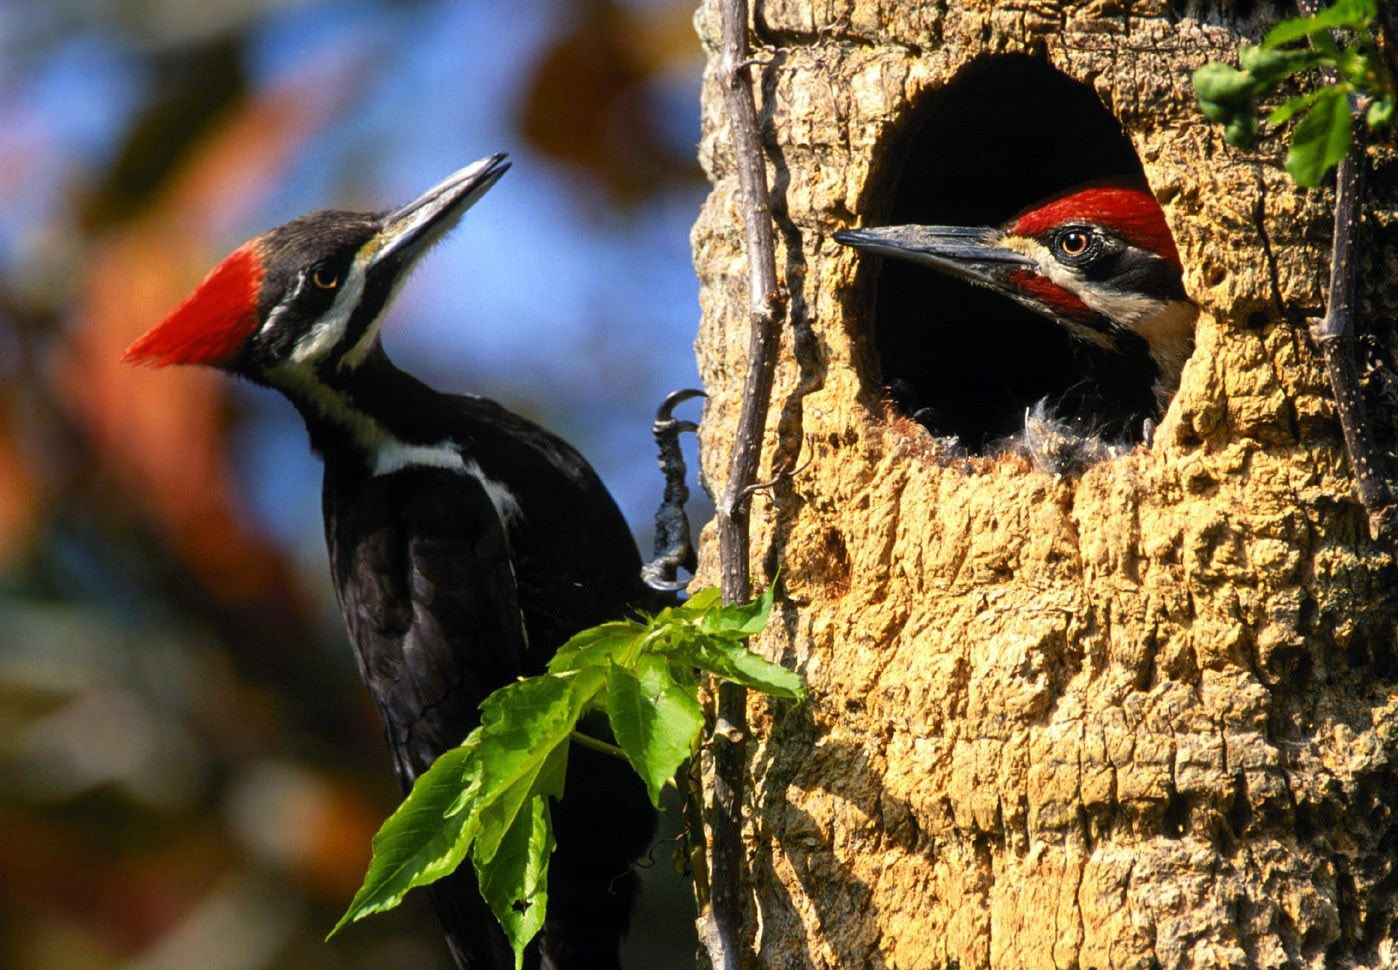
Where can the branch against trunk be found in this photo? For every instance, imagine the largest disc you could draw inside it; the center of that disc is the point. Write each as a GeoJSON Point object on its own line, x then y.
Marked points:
{"type": "Point", "coordinates": [720, 926]}
{"type": "Point", "coordinates": [1334, 335]}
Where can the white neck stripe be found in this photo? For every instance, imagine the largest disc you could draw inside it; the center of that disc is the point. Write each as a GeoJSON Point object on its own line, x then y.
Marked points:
{"type": "Point", "coordinates": [330, 329]}
{"type": "Point", "coordinates": [385, 452]}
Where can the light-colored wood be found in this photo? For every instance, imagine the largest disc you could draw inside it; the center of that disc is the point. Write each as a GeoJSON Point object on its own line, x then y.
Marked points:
{"type": "Point", "coordinates": [1144, 717]}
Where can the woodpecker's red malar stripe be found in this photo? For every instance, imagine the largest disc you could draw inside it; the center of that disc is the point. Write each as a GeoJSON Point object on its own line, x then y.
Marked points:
{"type": "Point", "coordinates": [1059, 300]}
{"type": "Point", "coordinates": [1133, 214]}
{"type": "Point", "coordinates": [213, 323]}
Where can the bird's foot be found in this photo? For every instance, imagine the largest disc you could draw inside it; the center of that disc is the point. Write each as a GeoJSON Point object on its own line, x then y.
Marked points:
{"type": "Point", "coordinates": [674, 549]}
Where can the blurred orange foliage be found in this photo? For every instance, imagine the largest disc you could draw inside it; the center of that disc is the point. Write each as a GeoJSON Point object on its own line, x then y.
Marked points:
{"type": "Point", "coordinates": [162, 435]}
{"type": "Point", "coordinates": [587, 101]}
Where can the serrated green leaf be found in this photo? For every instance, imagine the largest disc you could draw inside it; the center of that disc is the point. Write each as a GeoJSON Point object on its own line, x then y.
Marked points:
{"type": "Point", "coordinates": [685, 677]}
{"type": "Point", "coordinates": [1292, 105]}
{"type": "Point", "coordinates": [1266, 67]}
{"type": "Point", "coordinates": [1351, 14]}
{"type": "Point", "coordinates": [654, 718]}
{"type": "Point", "coordinates": [1379, 113]}
{"type": "Point", "coordinates": [522, 726]}
{"type": "Point", "coordinates": [1223, 86]}
{"type": "Point", "coordinates": [1327, 51]}
{"type": "Point", "coordinates": [488, 799]}
{"type": "Point", "coordinates": [1219, 113]}
{"type": "Point", "coordinates": [735, 662]}
{"type": "Point", "coordinates": [552, 775]}
{"type": "Point", "coordinates": [1359, 68]}
{"type": "Point", "coordinates": [1320, 139]}
{"type": "Point", "coordinates": [515, 881]}
{"type": "Point", "coordinates": [418, 844]}
{"type": "Point", "coordinates": [1297, 28]}
{"type": "Point", "coordinates": [701, 601]}
{"type": "Point", "coordinates": [1240, 131]}
{"type": "Point", "coordinates": [593, 647]}
{"type": "Point", "coordinates": [499, 814]}
{"type": "Point", "coordinates": [741, 620]}
{"type": "Point", "coordinates": [1251, 56]}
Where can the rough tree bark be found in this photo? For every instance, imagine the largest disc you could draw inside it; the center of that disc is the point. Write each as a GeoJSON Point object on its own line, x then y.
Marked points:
{"type": "Point", "coordinates": [1142, 717]}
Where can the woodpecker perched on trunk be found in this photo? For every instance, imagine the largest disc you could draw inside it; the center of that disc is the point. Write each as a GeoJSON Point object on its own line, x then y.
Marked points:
{"type": "Point", "coordinates": [1098, 260]}
{"type": "Point", "coordinates": [466, 544]}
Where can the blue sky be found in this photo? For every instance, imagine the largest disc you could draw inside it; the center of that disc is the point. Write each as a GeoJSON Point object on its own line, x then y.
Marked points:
{"type": "Point", "coordinates": [570, 310]}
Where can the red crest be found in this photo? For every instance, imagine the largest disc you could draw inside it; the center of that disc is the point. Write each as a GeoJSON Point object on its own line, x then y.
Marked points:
{"type": "Point", "coordinates": [213, 322]}
{"type": "Point", "coordinates": [1129, 211]}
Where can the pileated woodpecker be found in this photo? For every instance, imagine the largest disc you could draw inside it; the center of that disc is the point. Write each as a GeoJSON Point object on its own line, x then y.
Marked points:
{"type": "Point", "coordinates": [466, 543]}
{"type": "Point", "coordinates": [1097, 259]}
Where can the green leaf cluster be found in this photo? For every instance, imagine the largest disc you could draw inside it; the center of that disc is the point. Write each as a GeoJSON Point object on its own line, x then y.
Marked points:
{"type": "Point", "coordinates": [487, 800]}
{"type": "Point", "coordinates": [1324, 131]}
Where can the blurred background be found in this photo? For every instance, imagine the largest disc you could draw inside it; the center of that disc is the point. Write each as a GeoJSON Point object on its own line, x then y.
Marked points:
{"type": "Point", "coordinates": [191, 771]}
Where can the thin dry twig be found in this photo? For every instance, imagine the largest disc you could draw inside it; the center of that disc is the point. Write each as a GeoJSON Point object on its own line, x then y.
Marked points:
{"type": "Point", "coordinates": [784, 471]}
{"type": "Point", "coordinates": [720, 928]}
{"type": "Point", "coordinates": [1334, 336]}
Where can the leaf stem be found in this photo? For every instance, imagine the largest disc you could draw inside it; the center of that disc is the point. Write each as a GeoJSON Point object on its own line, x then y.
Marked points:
{"type": "Point", "coordinates": [587, 741]}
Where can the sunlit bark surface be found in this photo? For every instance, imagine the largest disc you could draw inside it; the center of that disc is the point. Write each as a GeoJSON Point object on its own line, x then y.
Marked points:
{"type": "Point", "coordinates": [1141, 717]}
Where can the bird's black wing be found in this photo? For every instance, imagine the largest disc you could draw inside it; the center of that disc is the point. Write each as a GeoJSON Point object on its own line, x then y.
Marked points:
{"type": "Point", "coordinates": [577, 566]}
{"type": "Point", "coordinates": [470, 579]}
{"type": "Point", "coordinates": [422, 569]}
{"type": "Point", "coordinates": [576, 560]}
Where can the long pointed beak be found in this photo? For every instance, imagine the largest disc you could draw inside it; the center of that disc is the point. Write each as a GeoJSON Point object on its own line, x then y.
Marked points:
{"type": "Point", "coordinates": [410, 230]}
{"type": "Point", "coordinates": [971, 253]}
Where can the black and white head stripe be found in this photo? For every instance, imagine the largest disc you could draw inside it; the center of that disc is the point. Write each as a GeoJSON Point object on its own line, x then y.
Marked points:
{"type": "Point", "coordinates": [331, 276]}
{"type": "Point", "coordinates": [312, 285]}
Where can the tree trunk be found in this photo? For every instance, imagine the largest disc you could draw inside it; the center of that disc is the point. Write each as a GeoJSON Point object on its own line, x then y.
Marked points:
{"type": "Point", "coordinates": [1143, 716]}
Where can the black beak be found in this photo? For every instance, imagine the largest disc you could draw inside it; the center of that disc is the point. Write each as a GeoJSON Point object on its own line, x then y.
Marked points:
{"type": "Point", "coordinates": [410, 230]}
{"type": "Point", "coordinates": [973, 254]}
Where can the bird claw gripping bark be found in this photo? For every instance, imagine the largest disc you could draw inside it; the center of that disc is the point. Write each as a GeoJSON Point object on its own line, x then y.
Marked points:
{"type": "Point", "coordinates": [673, 548]}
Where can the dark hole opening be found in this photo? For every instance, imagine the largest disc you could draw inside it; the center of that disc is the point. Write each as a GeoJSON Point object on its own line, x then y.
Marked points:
{"type": "Point", "coordinates": [1224, 11]}
{"type": "Point", "coordinates": [1005, 133]}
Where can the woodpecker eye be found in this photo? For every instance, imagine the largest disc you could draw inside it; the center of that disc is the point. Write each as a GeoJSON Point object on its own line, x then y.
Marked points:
{"type": "Point", "coordinates": [1076, 245]}
{"type": "Point", "coordinates": [1074, 242]}
{"type": "Point", "coordinates": [324, 279]}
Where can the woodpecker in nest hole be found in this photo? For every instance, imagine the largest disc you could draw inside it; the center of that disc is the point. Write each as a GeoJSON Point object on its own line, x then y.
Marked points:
{"type": "Point", "coordinates": [1098, 260]}
{"type": "Point", "coordinates": [466, 543]}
